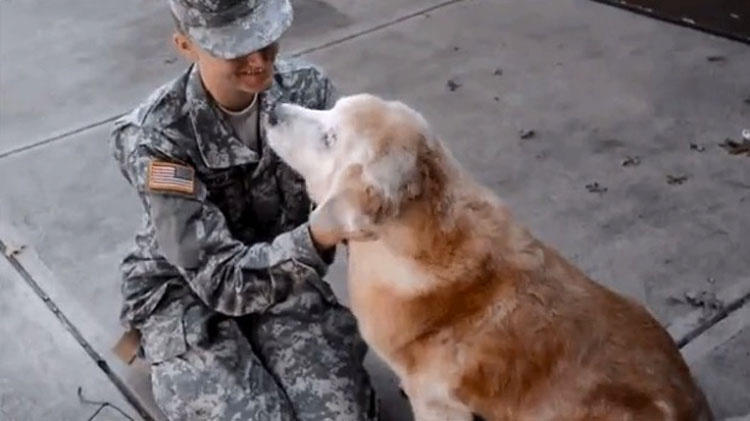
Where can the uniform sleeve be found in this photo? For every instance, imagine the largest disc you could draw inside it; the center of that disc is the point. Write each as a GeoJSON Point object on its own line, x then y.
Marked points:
{"type": "Point", "coordinates": [192, 234]}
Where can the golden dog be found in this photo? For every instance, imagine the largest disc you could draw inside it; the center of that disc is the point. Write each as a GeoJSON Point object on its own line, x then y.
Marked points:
{"type": "Point", "coordinates": [474, 315]}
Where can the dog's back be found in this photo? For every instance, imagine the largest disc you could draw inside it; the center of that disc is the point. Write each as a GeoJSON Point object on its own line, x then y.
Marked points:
{"type": "Point", "coordinates": [571, 349]}
{"type": "Point", "coordinates": [516, 330]}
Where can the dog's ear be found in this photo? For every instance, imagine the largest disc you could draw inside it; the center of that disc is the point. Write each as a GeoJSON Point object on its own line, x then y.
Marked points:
{"type": "Point", "coordinates": [395, 176]}
{"type": "Point", "coordinates": [352, 211]}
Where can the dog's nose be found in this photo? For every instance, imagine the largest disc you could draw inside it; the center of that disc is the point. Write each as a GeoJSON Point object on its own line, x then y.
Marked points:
{"type": "Point", "coordinates": [273, 115]}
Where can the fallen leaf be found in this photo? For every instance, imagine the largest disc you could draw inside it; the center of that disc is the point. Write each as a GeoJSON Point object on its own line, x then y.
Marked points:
{"type": "Point", "coordinates": [596, 188]}
{"type": "Point", "coordinates": [12, 251]}
{"type": "Point", "coordinates": [715, 59]}
{"type": "Point", "coordinates": [676, 179]}
{"type": "Point", "coordinates": [703, 299]}
{"type": "Point", "coordinates": [526, 134]}
{"type": "Point", "coordinates": [631, 161]}
{"type": "Point", "coordinates": [498, 72]}
{"type": "Point", "coordinates": [736, 148]}
{"type": "Point", "coordinates": [452, 85]}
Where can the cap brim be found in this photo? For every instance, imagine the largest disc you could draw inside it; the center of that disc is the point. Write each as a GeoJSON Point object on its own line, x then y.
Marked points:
{"type": "Point", "coordinates": [266, 24]}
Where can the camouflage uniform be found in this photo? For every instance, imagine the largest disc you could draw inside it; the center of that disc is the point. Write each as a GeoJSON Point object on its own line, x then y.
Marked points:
{"type": "Point", "coordinates": [225, 283]}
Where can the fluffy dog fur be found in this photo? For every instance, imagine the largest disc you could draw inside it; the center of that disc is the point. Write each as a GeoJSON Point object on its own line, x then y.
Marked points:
{"type": "Point", "coordinates": [473, 313]}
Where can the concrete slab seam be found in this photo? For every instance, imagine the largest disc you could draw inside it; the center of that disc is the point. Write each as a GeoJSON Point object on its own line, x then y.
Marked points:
{"type": "Point", "coordinates": [60, 136]}
{"type": "Point", "coordinates": [100, 362]}
{"type": "Point", "coordinates": [690, 326]}
{"type": "Point", "coordinates": [720, 334]}
{"type": "Point", "coordinates": [295, 54]}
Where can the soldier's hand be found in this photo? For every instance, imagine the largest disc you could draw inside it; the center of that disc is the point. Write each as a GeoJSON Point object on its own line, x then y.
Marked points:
{"type": "Point", "coordinates": [324, 239]}
{"type": "Point", "coordinates": [326, 228]}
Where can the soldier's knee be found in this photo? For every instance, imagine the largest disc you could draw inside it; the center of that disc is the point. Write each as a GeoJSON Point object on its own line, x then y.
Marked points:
{"type": "Point", "coordinates": [198, 385]}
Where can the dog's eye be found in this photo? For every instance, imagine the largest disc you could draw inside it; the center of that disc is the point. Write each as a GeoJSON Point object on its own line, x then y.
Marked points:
{"type": "Point", "coordinates": [329, 138]}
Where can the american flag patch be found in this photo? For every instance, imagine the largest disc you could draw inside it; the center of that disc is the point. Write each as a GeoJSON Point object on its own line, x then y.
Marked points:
{"type": "Point", "coordinates": [167, 176]}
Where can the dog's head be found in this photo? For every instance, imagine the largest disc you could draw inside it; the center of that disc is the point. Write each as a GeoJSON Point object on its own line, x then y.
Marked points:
{"type": "Point", "coordinates": [363, 161]}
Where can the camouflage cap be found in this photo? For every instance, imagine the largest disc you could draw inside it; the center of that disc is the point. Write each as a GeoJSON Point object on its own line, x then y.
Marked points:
{"type": "Point", "coordinates": [233, 28]}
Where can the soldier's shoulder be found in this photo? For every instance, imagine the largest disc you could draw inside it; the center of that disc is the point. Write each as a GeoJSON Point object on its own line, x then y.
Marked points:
{"type": "Point", "coordinates": [164, 106]}
{"type": "Point", "coordinates": [296, 71]}
{"type": "Point", "coordinates": [298, 66]}
{"type": "Point", "coordinates": [149, 123]}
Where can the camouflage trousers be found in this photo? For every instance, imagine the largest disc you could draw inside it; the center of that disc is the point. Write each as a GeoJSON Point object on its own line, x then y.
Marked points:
{"type": "Point", "coordinates": [299, 361]}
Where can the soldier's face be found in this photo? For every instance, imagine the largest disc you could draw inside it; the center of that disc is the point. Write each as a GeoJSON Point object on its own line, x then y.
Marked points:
{"type": "Point", "coordinates": [249, 74]}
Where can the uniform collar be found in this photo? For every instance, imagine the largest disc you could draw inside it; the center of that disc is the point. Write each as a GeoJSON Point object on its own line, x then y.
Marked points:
{"type": "Point", "coordinates": [219, 147]}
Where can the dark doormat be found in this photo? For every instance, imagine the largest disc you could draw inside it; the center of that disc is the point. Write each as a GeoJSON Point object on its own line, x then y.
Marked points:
{"type": "Point", "coordinates": [727, 18]}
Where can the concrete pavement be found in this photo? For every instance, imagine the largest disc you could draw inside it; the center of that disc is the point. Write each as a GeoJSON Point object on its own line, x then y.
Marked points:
{"type": "Point", "coordinates": [42, 365]}
{"type": "Point", "coordinates": [597, 86]}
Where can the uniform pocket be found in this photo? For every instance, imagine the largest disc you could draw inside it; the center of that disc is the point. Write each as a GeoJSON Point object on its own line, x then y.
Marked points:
{"type": "Point", "coordinates": [176, 234]}
{"type": "Point", "coordinates": [163, 337]}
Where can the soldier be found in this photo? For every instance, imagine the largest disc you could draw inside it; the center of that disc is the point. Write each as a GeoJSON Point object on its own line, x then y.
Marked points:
{"type": "Point", "coordinates": [225, 282]}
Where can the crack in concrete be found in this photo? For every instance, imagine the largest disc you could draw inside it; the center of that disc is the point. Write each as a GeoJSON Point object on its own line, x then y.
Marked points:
{"type": "Point", "coordinates": [59, 136]}
{"type": "Point", "coordinates": [709, 322]}
{"type": "Point", "coordinates": [300, 53]}
{"type": "Point", "coordinates": [95, 356]}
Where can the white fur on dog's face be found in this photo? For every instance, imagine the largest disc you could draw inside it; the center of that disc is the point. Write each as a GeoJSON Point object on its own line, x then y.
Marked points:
{"type": "Point", "coordinates": [304, 139]}
{"type": "Point", "coordinates": [362, 136]}
{"type": "Point", "coordinates": [310, 142]}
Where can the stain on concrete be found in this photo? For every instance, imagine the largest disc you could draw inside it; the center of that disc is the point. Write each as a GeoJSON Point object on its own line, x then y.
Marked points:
{"type": "Point", "coordinates": [316, 17]}
{"type": "Point", "coordinates": [606, 145]}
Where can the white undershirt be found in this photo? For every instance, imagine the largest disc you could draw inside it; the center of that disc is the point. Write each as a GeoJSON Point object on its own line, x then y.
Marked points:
{"type": "Point", "coordinates": [245, 123]}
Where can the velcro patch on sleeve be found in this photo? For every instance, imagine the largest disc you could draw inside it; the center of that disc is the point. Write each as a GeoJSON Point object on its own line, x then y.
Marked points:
{"type": "Point", "coordinates": [127, 346]}
{"type": "Point", "coordinates": [166, 176]}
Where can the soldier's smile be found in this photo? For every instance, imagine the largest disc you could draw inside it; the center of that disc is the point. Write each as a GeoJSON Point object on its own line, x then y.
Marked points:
{"type": "Point", "coordinates": [254, 79]}
{"type": "Point", "coordinates": [256, 71]}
